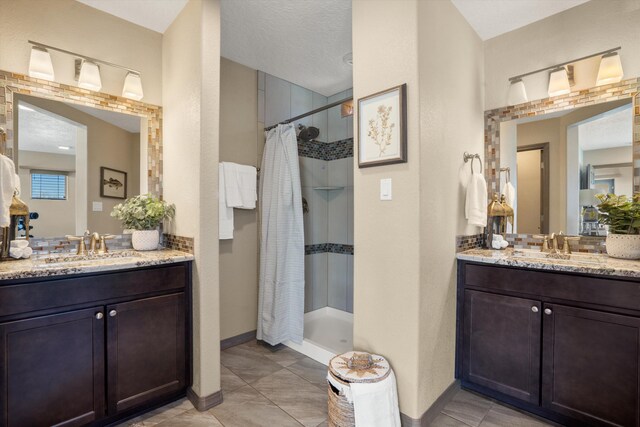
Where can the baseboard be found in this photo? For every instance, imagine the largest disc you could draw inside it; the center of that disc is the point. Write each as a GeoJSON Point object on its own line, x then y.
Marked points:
{"type": "Point", "coordinates": [237, 340]}
{"type": "Point", "coordinates": [434, 410]}
{"type": "Point", "coordinates": [204, 403]}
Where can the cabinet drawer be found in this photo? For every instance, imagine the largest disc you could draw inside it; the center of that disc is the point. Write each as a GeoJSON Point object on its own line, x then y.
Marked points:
{"type": "Point", "coordinates": [57, 293]}
{"type": "Point", "coordinates": [594, 290]}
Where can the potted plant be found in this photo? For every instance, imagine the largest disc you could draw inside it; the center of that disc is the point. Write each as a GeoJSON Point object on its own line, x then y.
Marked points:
{"type": "Point", "coordinates": [144, 214]}
{"type": "Point", "coordinates": [622, 215]}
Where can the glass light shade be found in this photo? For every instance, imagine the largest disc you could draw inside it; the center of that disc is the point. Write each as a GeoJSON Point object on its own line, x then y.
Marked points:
{"type": "Point", "coordinates": [610, 70]}
{"type": "Point", "coordinates": [89, 76]}
{"type": "Point", "coordinates": [517, 93]}
{"type": "Point", "coordinates": [132, 87]}
{"type": "Point", "coordinates": [559, 82]}
{"type": "Point", "coordinates": [40, 66]}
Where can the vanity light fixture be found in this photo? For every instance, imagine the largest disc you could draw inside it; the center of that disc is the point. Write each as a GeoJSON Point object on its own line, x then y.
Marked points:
{"type": "Point", "coordinates": [40, 66]}
{"type": "Point", "coordinates": [559, 82]}
{"type": "Point", "coordinates": [610, 70]}
{"type": "Point", "coordinates": [87, 70]}
{"type": "Point", "coordinates": [90, 76]}
{"type": "Point", "coordinates": [517, 92]}
{"type": "Point", "coordinates": [561, 76]}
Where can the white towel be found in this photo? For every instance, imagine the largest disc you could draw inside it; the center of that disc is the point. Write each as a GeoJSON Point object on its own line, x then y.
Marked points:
{"type": "Point", "coordinates": [7, 188]}
{"type": "Point", "coordinates": [18, 253]}
{"type": "Point", "coordinates": [21, 244]}
{"type": "Point", "coordinates": [509, 194]}
{"type": "Point", "coordinates": [18, 185]}
{"type": "Point", "coordinates": [476, 202]}
{"type": "Point", "coordinates": [376, 404]}
{"type": "Point", "coordinates": [240, 185]}
{"type": "Point", "coordinates": [225, 214]}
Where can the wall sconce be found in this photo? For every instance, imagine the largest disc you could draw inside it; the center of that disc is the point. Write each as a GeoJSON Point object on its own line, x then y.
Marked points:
{"type": "Point", "coordinates": [87, 70]}
{"type": "Point", "coordinates": [561, 76]}
{"type": "Point", "coordinates": [346, 108]}
{"type": "Point", "coordinates": [40, 66]}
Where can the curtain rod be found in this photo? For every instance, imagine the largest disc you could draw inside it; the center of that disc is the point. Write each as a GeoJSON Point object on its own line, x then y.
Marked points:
{"type": "Point", "coordinates": [317, 110]}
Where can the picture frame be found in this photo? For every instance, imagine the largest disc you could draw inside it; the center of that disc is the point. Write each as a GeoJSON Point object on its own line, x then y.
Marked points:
{"type": "Point", "coordinates": [382, 127]}
{"type": "Point", "coordinates": [113, 183]}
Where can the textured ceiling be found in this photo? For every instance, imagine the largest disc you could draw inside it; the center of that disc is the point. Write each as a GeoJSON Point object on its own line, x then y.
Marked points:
{"type": "Point", "coordinates": [301, 41]}
{"type": "Point", "coordinates": [607, 130]}
{"type": "Point", "coordinates": [490, 18]}
{"type": "Point", "coordinates": [123, 121]}
{"type": "Point", "coordinates": [156, 15]}
{"type": "Point", "coordinates": [43, 131]}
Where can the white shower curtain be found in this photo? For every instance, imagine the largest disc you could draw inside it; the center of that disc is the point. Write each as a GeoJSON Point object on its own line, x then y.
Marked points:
{"type": "Point", "coordinates": [281, 293]}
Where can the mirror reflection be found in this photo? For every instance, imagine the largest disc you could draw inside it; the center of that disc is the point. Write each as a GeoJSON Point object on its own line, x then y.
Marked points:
{"type": "Point", "coordinates": [75, 164]}
{"type": "Point", "coordinates": [558, 162]}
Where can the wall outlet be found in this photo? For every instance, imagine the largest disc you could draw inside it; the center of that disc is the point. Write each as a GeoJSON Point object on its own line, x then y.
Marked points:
{"type": "Point", "coordinates": [97, 206]}
{"type": "Point", "coordinates": [385, 189]}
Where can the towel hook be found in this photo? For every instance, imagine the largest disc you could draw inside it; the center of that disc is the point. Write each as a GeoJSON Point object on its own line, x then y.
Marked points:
{"type": "Point", "coordinates": [471, 157]}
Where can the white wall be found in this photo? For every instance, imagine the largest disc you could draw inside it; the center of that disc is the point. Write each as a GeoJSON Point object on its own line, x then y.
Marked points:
{"type": "Point", "coordinates": [191, 85]}
{"type": "Point", "coordinates": [71, 25]}
{"type": "Point", "coordinates": [580, 31]}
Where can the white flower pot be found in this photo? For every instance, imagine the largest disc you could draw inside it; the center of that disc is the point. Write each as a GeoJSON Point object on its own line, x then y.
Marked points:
{"type": "Point", "coordinates": [626, 246]}
{"type": "Point", "coordinates": [145, 240]}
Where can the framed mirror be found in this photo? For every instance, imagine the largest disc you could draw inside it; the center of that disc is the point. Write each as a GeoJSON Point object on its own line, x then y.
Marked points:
{"type": "Point", "coordinates": [62, 139]}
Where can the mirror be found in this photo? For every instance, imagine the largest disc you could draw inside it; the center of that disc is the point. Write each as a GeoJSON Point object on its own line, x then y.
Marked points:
{"type": "Point", "coordinates": [558, 162]}
{"type": "Point", "coordinates": [75, 164]}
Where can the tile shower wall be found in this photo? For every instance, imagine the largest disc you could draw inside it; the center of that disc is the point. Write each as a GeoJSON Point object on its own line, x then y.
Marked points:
{"type": "Point", "coordinates": [325, 162]}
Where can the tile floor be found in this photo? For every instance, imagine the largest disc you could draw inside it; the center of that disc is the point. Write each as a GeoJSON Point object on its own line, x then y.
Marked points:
{"type": "Point", "coordinates": [285, 388]}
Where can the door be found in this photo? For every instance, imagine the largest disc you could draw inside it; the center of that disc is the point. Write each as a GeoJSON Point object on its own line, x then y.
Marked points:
{"type": "Point", "coordinates": [52, 370]}
{"type": "Point", "coordinates": [533, 182]}
{"type": "Point", "coordinates": [145, 350]}
{"type": "Point", "coordinates": [590, 365]}
{"type": "Point", "coordinates": [502, 344]}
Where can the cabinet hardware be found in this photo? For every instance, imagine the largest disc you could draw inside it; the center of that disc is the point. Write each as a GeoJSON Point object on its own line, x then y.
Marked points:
{"type": "Point", "coordinates": [113, 313]}
{"type": "Point", "coordinates": [547, 311]}
{"type": "Point", "coordinates": [99, 315]}
{"type": "Point", "coordinates": [534, 309]}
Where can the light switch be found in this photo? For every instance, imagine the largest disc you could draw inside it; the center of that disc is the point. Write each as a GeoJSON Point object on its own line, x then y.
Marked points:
{"type": "Point", "coordinates": [97, 206]}
{"type": "Point", "coordinates": [385, 189]}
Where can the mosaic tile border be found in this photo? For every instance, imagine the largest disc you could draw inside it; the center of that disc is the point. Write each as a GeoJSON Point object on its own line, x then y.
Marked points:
{"type": "Point", "coordinates": [466, 242]}
{"type": "Point", "coordinates": [326, 150]}
{"type": "Point", "coordinates": [49, 245]}
{"type": "Point", "coordinates": [334, 248]}
{"type": "Point", "coordinates": [13, 83]}
{"type": "Point", "coordinates": [586, 244]}
{"type": "Point", "coordinates": [179, 243]}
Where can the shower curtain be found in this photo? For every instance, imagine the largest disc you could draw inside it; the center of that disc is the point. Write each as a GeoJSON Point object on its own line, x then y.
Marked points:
{"type": "Point", "coordinates": [281, 286]}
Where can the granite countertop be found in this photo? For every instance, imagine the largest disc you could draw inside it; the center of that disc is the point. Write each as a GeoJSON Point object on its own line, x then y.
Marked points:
{"type": "Point", "coordinates": [577, 263]}
{"type": "Point", "coordinates": [66, 264]}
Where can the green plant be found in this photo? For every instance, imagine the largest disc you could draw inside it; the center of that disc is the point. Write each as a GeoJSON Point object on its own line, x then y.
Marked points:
{"type": "Point", "coordinates": [143, 212]}
{"type": "Point", "coordinates": [620, 213]}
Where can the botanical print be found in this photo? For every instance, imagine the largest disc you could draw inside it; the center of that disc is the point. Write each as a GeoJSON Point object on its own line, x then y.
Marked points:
{"type": "Point", "coordinates": [380, 130]}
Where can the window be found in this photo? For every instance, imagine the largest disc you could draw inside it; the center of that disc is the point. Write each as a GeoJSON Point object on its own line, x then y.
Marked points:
{"type": "Point", "coordinates": [48, 185]}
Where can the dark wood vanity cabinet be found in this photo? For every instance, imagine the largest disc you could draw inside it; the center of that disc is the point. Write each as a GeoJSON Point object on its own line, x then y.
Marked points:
{"type": "Point", "coordinates": [94, 362]}
{"type": "Point", "coordinates": [541, 342]}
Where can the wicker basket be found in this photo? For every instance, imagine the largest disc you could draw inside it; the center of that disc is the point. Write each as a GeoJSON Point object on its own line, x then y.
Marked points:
{"type": "Point", "coordinates": [340, 410]}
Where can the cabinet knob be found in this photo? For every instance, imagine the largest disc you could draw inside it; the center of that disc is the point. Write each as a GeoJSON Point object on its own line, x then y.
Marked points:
{"type": "Point", "coordinates": [534, 309]}
{"type": "Point", "coordinates": [547, 311]}
{"type": "Point", "coordinates": [99, 315]}
{"type": "Point", "coordinates": [113, 313]}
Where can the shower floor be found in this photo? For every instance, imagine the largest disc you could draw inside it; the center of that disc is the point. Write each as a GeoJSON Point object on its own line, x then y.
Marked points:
{"type": "Point", "coordinates": [327, 332]}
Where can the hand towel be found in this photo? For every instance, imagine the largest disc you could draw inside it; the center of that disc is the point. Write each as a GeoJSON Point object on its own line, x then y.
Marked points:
{"type": "Point", "coordinates": [241, 185]}
{"type": "Point", "coordinates": [376, 404]}
{"type": "Point", "coordinates": [476, 201]}
{"type": "Point", "coordinates": [509, 194]}
{"type": "Point", "coordinates": [225, 214]}
{"type": "Point", "coordinates": [21, 244]}
{"type": "Point", "coordinates": [16, 252]}
{"type": "Point", "coordinates": [18, 185]}
{"type": "Point", "coordinates": [7, 189]}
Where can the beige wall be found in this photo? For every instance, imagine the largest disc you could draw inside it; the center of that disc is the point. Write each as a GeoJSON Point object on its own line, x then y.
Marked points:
{"type": "Point", "coordinates": [410, 274]}
{"type": "Point", "coordinates": [583, 30]}
{"type": "Point", "coordinates": [107, 145]}
{"type": "Point", "coordinates": [191, 92]}
{"type": "Point", "coordinates": [57, 217]}
{"type": "Point", "coordinates": [239, 256]}
{"type": "Point", "coordinates": [71, 25]}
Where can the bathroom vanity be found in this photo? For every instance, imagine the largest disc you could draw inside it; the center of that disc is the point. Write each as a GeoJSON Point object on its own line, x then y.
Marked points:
{"type": "Point", "coordinates": [556, 337]}
{"type": "Point", "coordinates": [93, 341]}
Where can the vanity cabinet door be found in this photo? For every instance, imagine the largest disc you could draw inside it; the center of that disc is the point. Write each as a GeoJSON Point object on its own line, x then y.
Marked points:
{"type": "Point", "coordinates": [590, 365]}
{"type": "Point", "coordinates": [502, 344]}
{"type": "Point", "coordinates": [145, 351]}
{"type": "Point", "coordinates": [52, 370]}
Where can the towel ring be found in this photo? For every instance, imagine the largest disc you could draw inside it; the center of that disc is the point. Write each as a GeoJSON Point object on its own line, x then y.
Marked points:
{"type": "Point", "coordinates": [471, 157]}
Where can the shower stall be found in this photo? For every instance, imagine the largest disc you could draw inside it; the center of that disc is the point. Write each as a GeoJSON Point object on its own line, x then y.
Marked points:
{"type": "Point", "coordinates": [325, 150]}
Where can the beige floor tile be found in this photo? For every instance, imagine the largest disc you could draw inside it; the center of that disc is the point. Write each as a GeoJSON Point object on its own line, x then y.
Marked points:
{"type": "Point", "coordinates": [285, 356]}
{"type": "Point", "coordinates": [192, 418]}
{"type": "Point", "coordinates": [246, 407]}
{"type": "Point", "coordinates": [247, 363]}
{"type": "Point", "coordinates": [299, 398]}
{"type": "Point", "coordinates": [310, 370]}
{"type": "Point", "coordinates": [501, 416]}
{"type": "Point", "coordinates": [229, 381]}
{"type": "Point", "coordinates": [443, 420]}
{"type": "Point", "coordinates": [468, 408]}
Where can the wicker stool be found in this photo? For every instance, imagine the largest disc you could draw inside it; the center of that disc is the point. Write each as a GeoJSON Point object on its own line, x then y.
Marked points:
{"type": "Point", "coordinates": [347, 368]}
